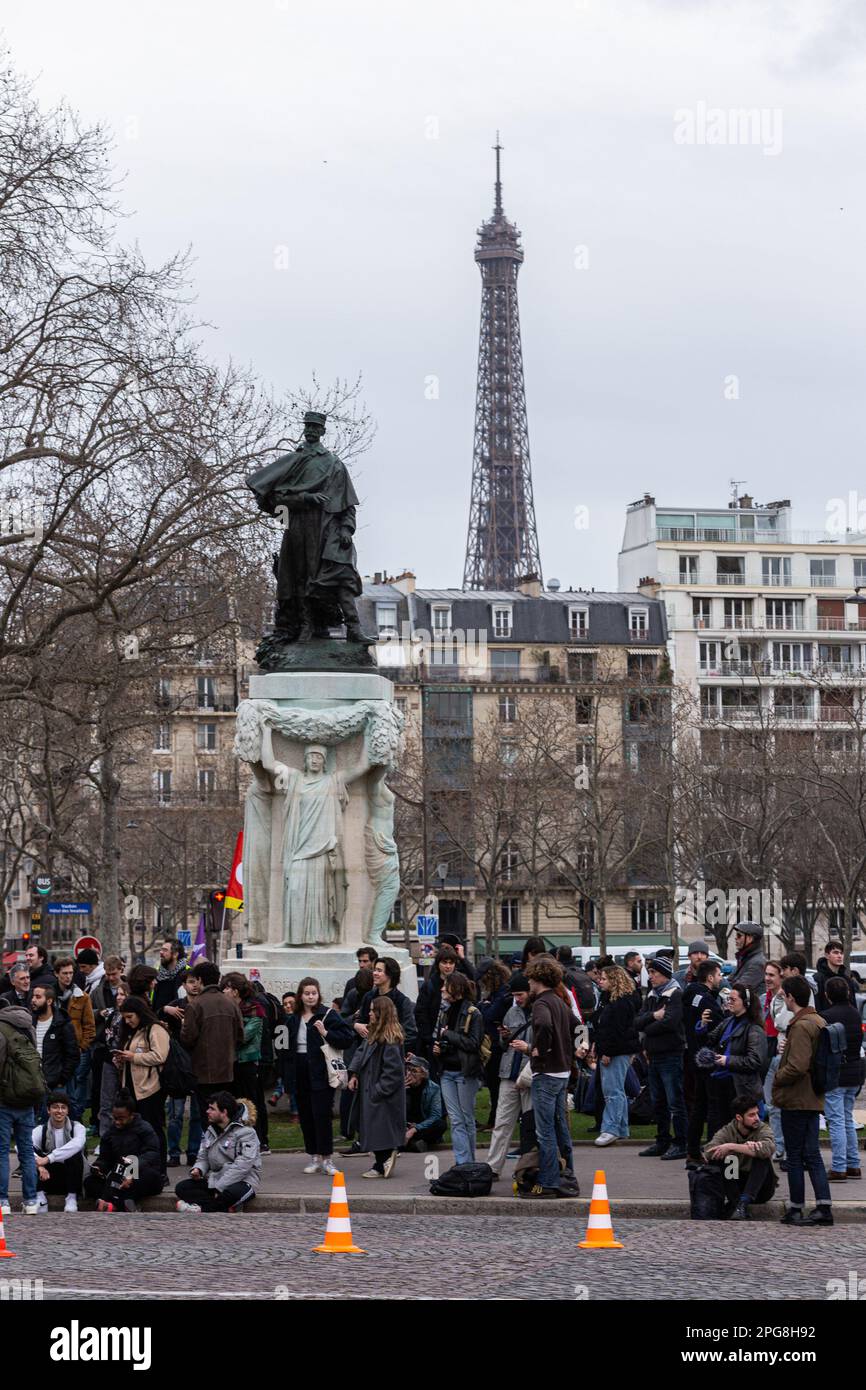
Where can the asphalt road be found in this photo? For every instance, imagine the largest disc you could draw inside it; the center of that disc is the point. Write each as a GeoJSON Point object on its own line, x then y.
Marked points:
{"type": "Point", "coordinates": [268, 1256]}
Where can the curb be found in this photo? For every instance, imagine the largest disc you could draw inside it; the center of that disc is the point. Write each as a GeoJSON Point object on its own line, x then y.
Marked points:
{"type": "Point", "coordinates": [628, 1208]}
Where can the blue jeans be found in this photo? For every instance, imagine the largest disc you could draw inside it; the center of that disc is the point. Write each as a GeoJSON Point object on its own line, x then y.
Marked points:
{"type": "Point", "coordinates": [551, 1127]}
{"type": "Point", "coordinates": [774, 1114]}
{"type": "Point", "coordinates": [839, 1114]}
{"type": "Point", "coordinates": [666, 1090]}
{"type": "Point", "coordinates": [615, 1117]}
{"type": "Point", "coordinates": [176, 1107]}
{"type": "Point", "coordinates": [79, 1087]}
{"type": "Point", "coordinates": [20, 1124]}
{"type": "Point", "coordinates": [800, 1128]}
{"type": "Point", "coordinates": [458, 1093]}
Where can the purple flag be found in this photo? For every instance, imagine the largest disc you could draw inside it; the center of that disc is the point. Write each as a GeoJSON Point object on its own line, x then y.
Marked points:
{"type": "Point", "coordinates": [199, 950]}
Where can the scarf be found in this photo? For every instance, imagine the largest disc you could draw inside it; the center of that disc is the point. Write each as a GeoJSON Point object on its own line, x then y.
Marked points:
{"type": "Point", "coordinates": [48, 1135]}
{"type": "Point", "coordinates": [168, 972]}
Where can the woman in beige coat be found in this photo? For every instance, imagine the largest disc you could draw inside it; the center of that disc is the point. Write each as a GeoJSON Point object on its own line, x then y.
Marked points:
{"type": "Point", "coordinates": [140, 1060]}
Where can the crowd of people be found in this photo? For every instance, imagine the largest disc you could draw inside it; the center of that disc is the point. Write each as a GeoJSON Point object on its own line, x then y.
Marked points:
{"type": "Point", "coordinates": [724, 1065]}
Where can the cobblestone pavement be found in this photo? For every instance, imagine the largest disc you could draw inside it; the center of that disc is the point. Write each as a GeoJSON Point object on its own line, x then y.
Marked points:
{"type": "Point", "coordinates": [166, 1256]}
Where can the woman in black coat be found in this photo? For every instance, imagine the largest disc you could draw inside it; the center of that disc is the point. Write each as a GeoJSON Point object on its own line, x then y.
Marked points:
{"type": "Point", "coordinates": [616, 1042]}
{"type": "Point", "coordinates": [739, 1043]}
{"type": "Point", "coordinates": [308, 1029]}
{"type": "Point", "coordinates": [379, 1076]}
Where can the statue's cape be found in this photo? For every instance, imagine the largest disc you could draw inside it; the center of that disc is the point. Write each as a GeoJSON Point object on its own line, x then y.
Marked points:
{"type": "Point", "coordinates": [312, 468]}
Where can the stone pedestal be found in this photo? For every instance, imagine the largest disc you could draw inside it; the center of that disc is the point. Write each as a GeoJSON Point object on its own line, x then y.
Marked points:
{"type": "Point", "coordinates": [283, 967]}
{"type": "Point", "coordinates": [318, 744]}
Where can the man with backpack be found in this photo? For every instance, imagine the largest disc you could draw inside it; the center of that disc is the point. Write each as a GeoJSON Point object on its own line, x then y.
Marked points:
{"type": "Point", "coordinates": [21, 1088]}
{"type": "Point", "coordinates": [800, 1101]}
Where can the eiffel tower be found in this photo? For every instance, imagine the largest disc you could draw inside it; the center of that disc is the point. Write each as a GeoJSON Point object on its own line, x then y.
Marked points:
{"type": "Point", "coordinates": [502, 544]}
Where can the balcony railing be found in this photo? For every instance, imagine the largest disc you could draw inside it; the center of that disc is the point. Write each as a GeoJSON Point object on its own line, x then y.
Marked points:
{"type": "Point", "coordinates": [722, 577]}
{"type": "Point", "coordinates": [776, 581]}
{"type": "Point", "coordinates": [747, 536]}
{"type": "Point", "coordinates": [638, 634]}
{"type": "Point", "coordinates": [823, 581]}
{"type": "Point", "coordinates": [745, 623]}
{"type": "Point", "coordinates": [836, 714]}
{"type": "Point", "coordinates": [840, 625]}
{"type": "Point", "coordinates": [803, 714]}
{"type": "Point", "coordinates": [734, 668]}
{"type": "Point", "coordinates": [786, 668]}
{"type": "Point", "coordinates": [784, 623]}
{"type": "Point", "coordinates": [465, 675]}
{"type": "Point", "coordinates": [711, 714]}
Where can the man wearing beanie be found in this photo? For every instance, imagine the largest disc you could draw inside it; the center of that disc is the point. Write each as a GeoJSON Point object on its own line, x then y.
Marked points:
{"type": "Point", "coordinates": [513, 1099]}
{"type": "Point", "coordinates": [698, 952]}
{"type": "Point", "coordinates": [661, 1024]}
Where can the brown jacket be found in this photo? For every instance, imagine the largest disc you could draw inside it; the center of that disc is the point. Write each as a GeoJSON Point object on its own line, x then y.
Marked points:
{"type": "Point", "coordinates": [212, 1031]}
{"type": "Point", "coordinates": [150, 1046]}
{"type": "Point", "coordinates": [792, 1085]}
{"type": "Point", "coordinates": [80, 1012]}
{"type": "Point", "coordinates": [553, 1027]}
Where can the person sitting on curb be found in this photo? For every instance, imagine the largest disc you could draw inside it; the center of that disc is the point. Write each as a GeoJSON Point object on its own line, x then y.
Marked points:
{"type": "Point", "coordinates": [749, 1140]}
{"type": "Point", "coordinates": [58, 1147]}
{"type": "Point", "coordinates": [228, 1169]}
{"type": "Point", "coordinates": [130, 1162]}
{"type": "Point", "coordinates": [425, 1113]}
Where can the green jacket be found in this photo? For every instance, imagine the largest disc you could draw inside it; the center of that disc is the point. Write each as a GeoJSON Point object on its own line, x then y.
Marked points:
{"type": "Point", "coordinates": [250, 1049]}
{"type": "Point", "coordinates": [762, 1138]}
{"type": "Point", "coordinates": [792, 1084]}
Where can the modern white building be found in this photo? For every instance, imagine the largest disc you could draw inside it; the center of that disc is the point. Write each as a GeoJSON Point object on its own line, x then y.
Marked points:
{"type": "Point", "coordinates": [753, 605]}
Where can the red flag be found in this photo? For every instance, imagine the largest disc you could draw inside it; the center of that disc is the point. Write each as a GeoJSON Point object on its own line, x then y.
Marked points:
{"type": "Point", "coordinates": [235, 890]}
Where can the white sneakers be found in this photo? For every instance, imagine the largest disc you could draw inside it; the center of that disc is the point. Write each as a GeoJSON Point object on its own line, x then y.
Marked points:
{"type": "Point", "coordinates": [41, 1201]}
{"type": "Point", "coordinates": [372, 1173]}
{"type": "Point", "coordinates": [31, 1208]}
{"type": "Point", "coordinates": [604, 1139]}
{"type": "Point", "coordinates": [187, 1206]}
{"type": "Point", "coordinates": [320, 1164]}
{"type": "Point", "coordinates": [5, 1209]}
{"type": "Point", "coordinates": [71, 1203]}
{"type": "Point", "coordinates": [390, 1163]}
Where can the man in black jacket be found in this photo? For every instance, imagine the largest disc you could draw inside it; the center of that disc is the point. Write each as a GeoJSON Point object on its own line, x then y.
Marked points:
{"type": "Point", "coordinates": [698, 997]}
{"type": "Point", "coordinates": [661, 1024]}
{"type": "Point", "coordinates": [839, 1103]}
{"type": "Point", "coordinates": [129, 1164]}
{"type": "Point", "coordinates": [386, 978]}
{"type": "Point", "coordinates": [171, 974]}
{"type": "Point", "coordinates": [56, 1042]}
{"type": "Point", "coordinates": [832, 966]}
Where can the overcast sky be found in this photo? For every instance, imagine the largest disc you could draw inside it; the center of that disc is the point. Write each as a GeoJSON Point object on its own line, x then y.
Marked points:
{"type": "Point", "coordinates": [358, 134]}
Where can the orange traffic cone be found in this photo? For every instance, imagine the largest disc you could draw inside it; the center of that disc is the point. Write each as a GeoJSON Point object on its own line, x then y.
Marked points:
{"type": "Point", "coordinates": [338, 1235]}
{"type": "Point", "coordinates": [4, 1253]}
{"type": "Point", "coordinates": [599, 1231]}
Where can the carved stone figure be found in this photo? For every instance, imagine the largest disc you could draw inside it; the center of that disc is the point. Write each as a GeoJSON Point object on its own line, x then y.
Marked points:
{"type": "Point", "coordinates": [380, 850]}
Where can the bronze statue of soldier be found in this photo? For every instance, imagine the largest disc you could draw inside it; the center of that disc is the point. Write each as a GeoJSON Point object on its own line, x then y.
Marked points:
{"type": "Point", "coordinates": [317, 577]}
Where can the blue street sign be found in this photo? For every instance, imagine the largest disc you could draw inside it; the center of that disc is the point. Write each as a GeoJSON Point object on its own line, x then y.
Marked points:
{"type": "Point", "coordinates": [427, 926]}
{"type": "Point", "coordinates": [185, 938]}
{"type": "Point", "coordinates": [69, 909]}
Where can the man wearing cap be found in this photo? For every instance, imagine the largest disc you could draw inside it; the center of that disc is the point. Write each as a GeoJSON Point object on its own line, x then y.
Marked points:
{"type": "Point", "coordinates": [661, 1024]}
{"type": "Point", "coordinates": [317, 578]}
{"type": "Point", "coordinates": [513, 1099]}
{"type": "Point", "coordinates": [748, 942]}
{"type": "Point", "coordinates": [698, 952]}
{"type": "Point", "coordinates": [425, 1114]}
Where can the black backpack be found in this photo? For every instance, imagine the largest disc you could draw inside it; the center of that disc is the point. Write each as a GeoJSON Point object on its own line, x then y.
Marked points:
{"type": "Point", "coordinates": [464, 1180]}
{"type": "Point", "coordinates": [706, 1194]}
{"type": "Point", "coordinates": [177, 1077]}
{"type": "Point", "coordinates": [828, 1058]}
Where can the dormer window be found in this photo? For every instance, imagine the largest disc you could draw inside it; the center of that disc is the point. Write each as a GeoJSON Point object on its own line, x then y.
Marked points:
{"type": "Point", "coordinates": [441, 617]}
{"type": "Point", "coordinates": [502, 616]}
{"type": "Point", "coordinates": [638, 623]}
{"type": "Point", "coordinates": [578, 622]}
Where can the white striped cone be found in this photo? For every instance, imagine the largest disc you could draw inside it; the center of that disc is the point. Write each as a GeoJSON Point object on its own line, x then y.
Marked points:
{"type": "Point", "coordinates": [338, 1233]}
{"type": "Point", "coordinates": [599, 1229]}
{"type": "Point", "coordinates": [4, 1253]}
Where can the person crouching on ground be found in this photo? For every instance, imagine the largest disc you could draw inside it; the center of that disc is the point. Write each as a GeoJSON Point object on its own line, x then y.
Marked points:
{"type": "Point", "coordinates": [743, 1149]}
{"type": "Point", "coordinates": [58, 1146]}
{"type": "Point", "coordinates": [378, 1074]}
{"type": "Point", "coordinates": [129, 1164]}
{"type": "Point", "coordinates": [228, 1168]}
{"type": "Point", "coordinates": [425, 1111]}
